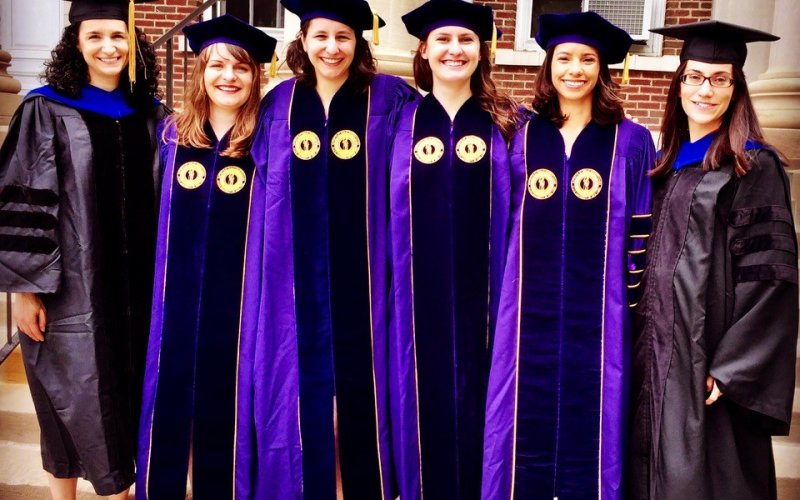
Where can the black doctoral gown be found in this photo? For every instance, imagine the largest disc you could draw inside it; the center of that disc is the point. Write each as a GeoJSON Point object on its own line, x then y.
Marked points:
{"type": "Point", "coordinates": [77, 227]}
{"type": "Point", "coordinates": [720, 298]}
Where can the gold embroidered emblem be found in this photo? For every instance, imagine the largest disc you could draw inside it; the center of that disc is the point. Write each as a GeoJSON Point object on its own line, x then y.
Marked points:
{"type": "Point", "coordinates": [191, 175]}
{"type": "Point", "coordinates": [542, 184]}
{"type": "Point", "coordinates": [586, 183]}
{"type": "Point", "coordinates": [471, 148]}
{"type": "Point", "coordinates": [345, 144]}
{"type": "Point", "coordinates": [429, 150]}
{"type": "Point", "coordinates": [231, 180]}
{"type": "Point", "coordinates": [305, 145]}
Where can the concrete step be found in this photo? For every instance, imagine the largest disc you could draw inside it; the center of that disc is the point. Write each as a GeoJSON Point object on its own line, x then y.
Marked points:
{"type": "Point", "coordinates": [22, 469]}
{"type": "Point", "coordinates": [787, 458]}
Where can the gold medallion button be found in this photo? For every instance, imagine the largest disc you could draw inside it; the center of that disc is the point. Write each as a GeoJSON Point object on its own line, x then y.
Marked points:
{"type": "Point", "coordinates": [305, 145]}
{"type": "Point", "coordinates": [231, 179]}
{"type": "Point", "coordinates": [471, 148]}
{"type": "Point", "coordinates": [429, 150]}
{"type": "Point", "coordinates": [191, 175]}
{"type": "Point", "coordinates": [542, 184]}
{"type": "Point", "coordinates": [345, 144]}
{"type": "Point", "coordinates": [586, 183]}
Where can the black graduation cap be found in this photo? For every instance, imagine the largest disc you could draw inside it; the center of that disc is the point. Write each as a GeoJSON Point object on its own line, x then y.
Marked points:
{"type": "Point", "coordinates": [354, 13]}
{"type": "Point", "coordinates": [715, 41]}
{"type": "Point", "coordinates": [437, 13]}
{"type": "Point", "coordinates": [121, 10]}
{"type": "Point", "coordinates": [230, 29]}
{"type": "Point", "coordinates": [83, 10]}
{"type": "Point", "coordinates": [588, 28]}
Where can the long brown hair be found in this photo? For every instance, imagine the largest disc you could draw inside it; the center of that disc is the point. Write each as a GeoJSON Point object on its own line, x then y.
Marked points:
{"type": "Point", "coordinates": [739, 124]}
{"type": "Point", "coordinates": [190, 123]}
{"type": "Point", "coordinates": [361, 70]}
{"type": "Point", "coordinates": [504, 110]}
{"type": "Point", "coordinates": [606, 104]}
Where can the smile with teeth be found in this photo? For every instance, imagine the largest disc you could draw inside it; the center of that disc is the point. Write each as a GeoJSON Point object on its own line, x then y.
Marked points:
{"type": "Point", "coordinates": [574, 84]}
{"type": "Point", "coordinates": [454, 64]}
{"type": "Point", "coordinates": [329, 60]}
{"type": "Point", "coordinates": [110, 60]}
{"type": "Point", "coordinates": [704, 105]}
{"type": "Point", "coordinates": [227, 88]}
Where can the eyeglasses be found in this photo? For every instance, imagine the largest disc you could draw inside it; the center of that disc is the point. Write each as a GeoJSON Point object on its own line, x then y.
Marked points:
{"type": "Point", "coordinates": [696, 80]}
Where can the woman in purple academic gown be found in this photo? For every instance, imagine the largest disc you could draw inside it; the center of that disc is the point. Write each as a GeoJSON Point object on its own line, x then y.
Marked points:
{"type": "Point", "coordinates": [449, 217]}
{"type": "Point", "coordinates": [313, 417]}
{"type": "Point", "coordinates": [78, 188]}
{"type": "Point", "coordinates": [189, 405]}
{"type": "Point", "coordinates": [557, 407]}
{"type": "Point", "coordinates": [714, 357]}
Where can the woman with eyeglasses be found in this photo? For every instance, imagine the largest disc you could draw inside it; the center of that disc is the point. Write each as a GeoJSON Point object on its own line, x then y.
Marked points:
{"type": "Point", "coordinates": [716, 329]}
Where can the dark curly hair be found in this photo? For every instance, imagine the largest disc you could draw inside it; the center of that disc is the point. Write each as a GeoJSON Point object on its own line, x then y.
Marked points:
{"type": "Point", "coordinates": [362, 69]}
{"type": "Point", "coordinates": [67, 71]}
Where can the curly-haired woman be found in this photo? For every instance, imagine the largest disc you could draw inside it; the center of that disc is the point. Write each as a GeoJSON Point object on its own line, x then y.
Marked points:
{"type": "Point", "coordinates": [78, 188]}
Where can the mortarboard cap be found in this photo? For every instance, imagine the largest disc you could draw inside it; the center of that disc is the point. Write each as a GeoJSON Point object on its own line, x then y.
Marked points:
{"type": "Point", "coordinates": [121, 10]}
{"type": "Point", "coordinates": [715, 41]}
{"type": "Point", "coordinates": [229, 29]}
{"type": "Point", "coordinates": [354, 13]}
{"type": "Point", "coordinates": [588, 28]}
{"type": "Point", "coordinates": [84, 10]}
{"type": "Point", "coordinates": [437, 13]}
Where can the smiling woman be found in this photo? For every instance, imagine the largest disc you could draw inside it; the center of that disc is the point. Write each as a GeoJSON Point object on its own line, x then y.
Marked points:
{"type": "Point", "coordinates": [78, 175]}
{"type": "Point", "coordinates": [557, 401]}
{"type": "Point", "coordinates": [314, 399]}
{"type": "Point", "coordinates": [189, 402]}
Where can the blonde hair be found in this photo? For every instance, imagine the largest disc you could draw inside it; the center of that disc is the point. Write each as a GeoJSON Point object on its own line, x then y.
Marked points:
{"type": "Point", "coordinates": [190, 123]}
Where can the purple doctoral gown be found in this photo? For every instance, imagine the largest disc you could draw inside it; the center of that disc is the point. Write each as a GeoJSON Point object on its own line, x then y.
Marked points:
{"type": "Point", "coordinates": [557, 397]}
{"type": "Point", "coordinates": [314, 317]}
{"type": "Point", "coordinates": [449, 217]}
{"type": "Point", "coordinates": [189, 398]}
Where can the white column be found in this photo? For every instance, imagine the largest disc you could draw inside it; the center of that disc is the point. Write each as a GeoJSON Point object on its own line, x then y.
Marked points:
{"type": "Point", "coordinates": [395, 52]}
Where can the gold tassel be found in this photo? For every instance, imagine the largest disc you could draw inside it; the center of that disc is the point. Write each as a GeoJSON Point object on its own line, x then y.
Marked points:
{"type": "Point", "coordinates": [273, 66]}
{"type": "Point", "coordinates": [131, 45]}
{"type": "Point", "coordinates": [493, 46]}
{"type": "Point", "coordinates": [626, 69]}
{"type": "Point", "coordinates": [376, 25]}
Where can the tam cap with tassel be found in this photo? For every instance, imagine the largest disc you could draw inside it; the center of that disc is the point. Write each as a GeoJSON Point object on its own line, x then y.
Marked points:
{"type": "Point", "coordinates": [120, 10]}
{"type": "Point", "coordinates": [232, 30]}
{"type": "Point", "coordinates": [588, 28]}
{"type": "Point", "coordinates": [354, 13]}
{"type": "Point", "coordinates": [438, 13]}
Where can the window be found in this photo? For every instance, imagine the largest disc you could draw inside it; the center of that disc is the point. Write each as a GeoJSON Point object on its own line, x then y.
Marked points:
{"type": "Point", "coordinates": [634, 16]}
{"type": "Point", "coordinates": [264, 14]}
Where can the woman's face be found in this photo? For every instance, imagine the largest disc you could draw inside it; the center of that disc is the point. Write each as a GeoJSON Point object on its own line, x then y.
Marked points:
{"type": "Point", "coordinates": [104, 46]}
{"type": "Point", "coordinates": [330, 46]}
{"type": "Point", "coordinates": [228, 82]}
{"type": "Point", "coordinates": [574, 71]}
{"type": "Point", "coordinates": [453, 53]}
{"type": "Point", "coordinates": [705, 105]}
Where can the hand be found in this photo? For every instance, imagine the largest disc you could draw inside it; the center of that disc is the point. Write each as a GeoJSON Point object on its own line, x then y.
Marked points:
{"type": "Point", "coordinates": [711, 386]}
{"type": "Point", "coordinates": [29, 315]}
{"type": "Point", "coordinates": [631, 117]}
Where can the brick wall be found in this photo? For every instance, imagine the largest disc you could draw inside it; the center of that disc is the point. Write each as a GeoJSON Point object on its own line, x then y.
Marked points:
{"type": "Point", "coordinates": [157, 19]}
{"type": "Point", "coordinates": [645, 94]}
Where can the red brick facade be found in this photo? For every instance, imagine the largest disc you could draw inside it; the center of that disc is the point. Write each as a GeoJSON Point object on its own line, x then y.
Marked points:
{"type": "Point", "coordinates": [644, 95]}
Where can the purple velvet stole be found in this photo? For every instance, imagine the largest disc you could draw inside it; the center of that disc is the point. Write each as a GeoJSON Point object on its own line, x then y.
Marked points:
{"type": "Point", "coordinates": [557, 397]}
{"type": "Point", "coordinates": [189, 395]}
{"type": "Point", "coordinates": [449, 222]}
{"type": "Point", "coordinates": [314, 314]}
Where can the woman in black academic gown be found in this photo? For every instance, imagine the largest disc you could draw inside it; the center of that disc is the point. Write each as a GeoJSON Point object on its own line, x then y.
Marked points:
{"type": "Point", "coordinates": [78, 183]}
{"type": "Point", "coordinates": [714, 356]}
{"type": "Point", "coordinates": [189, 401]}
{"type": "Point", "coordinates": [449, 203]}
